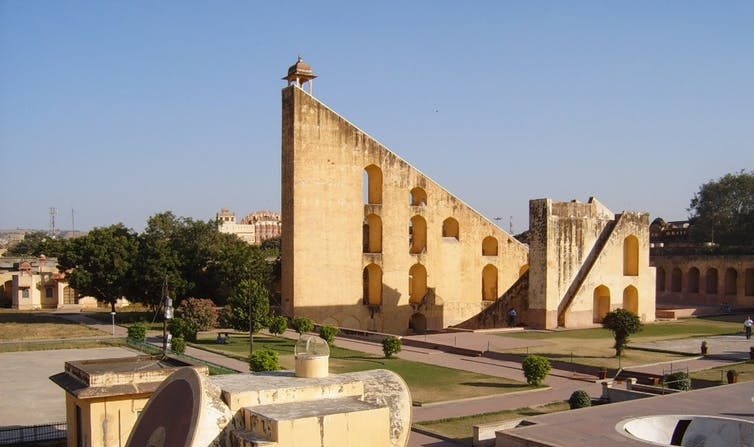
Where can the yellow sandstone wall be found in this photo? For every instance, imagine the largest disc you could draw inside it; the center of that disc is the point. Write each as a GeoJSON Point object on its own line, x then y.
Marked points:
{"type": "Point", "coordinates": [104, 422]}
{"type": "Point", "coordinates": [323, 205]}
{"type": "Point", "coordinates": [586, 261]}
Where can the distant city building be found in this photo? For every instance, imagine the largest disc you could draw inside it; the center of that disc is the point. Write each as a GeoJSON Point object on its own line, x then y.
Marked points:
{"type": "Point", "coordinates": [674, 233]}
{"type": "Point", "coordinates": [254, 229]}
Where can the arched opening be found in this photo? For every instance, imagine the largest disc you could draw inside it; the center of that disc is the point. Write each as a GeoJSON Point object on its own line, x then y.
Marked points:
{"type": "Point", "coordinates": [524, 268]}
{"type": "Point", "coordinates": [372, 280]}
{"type": "Point", "coordinates": [417, 283]}
{"type": "Point", "coordinates": [372, 185]}
{"type": "Point", "coordinates": [731, 281]}
{"type": "Point", "coordinates": [417, 197]}
{"type": "Point", "coordinates": [631, 256]}
{"type": "Point", "coordinates": [489, 283]}
{"type": "Point", "coordinates": [417, 323]}
{"type": "Point", "coordinates": [660, 279]}
{"type": "Point", "coordinates": [693, 280]}
{"type": "Point", "coordinates": [749, 282]}
{"type": "Point", "coordinates": [631, 299]}
{"type": "Point", "coordinates": [417, 235]}
{"type": "Point", "coordinates": [711, 279]}
{"type": "Point", "coordinates": [489, 246]}
{"type": "Point", "coordinates": [601, 304]}
{"type": "Point", "coordinates": [372, 234]}
{"type": "Point", "coordinates": [450, 228]}
{"type": "Point", "coordinates": [675, 280]}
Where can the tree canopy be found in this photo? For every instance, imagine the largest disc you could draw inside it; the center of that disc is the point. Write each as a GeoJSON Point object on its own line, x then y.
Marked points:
{"type": "Point", "coordinates": [622, 323]}
{"type": "Point", "coordinates": [191, 256]}
{"type": "Point", "coordinates": [100, 263]}
{"type": "Point", "coordinates": [722, 210]}
{"type": "Point", "coordinates": [38, 243]}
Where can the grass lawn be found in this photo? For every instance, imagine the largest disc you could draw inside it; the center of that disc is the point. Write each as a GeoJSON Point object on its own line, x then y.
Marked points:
{"type": "Point", "coordinates": [428, 383]}
{"type": "Point", "coordinates": [461, 428]}
{"type": "Point", "coordinates": [127, 316]}
{"type": "Point", "coordinates": [33, 325]}
{"type": "Point", "coordinates": [595, 346]}
{"type": "Point", "coordinates": [717, 376]}
{"type": "Point", "coordinates": [63, 344]}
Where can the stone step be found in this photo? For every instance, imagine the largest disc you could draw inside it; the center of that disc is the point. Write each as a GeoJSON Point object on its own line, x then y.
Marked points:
{"type": "Point", "coordinates": [328, 419]}
{"type": "Point", "coordinates": [246, 438]}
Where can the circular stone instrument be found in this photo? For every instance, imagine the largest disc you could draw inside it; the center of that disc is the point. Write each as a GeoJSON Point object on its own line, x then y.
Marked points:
{"type": "Point", "coordinates": [185, 411]}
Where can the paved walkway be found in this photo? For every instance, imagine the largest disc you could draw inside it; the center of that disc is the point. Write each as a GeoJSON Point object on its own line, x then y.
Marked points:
{"type": "Point", "coordinates": [561, 383]}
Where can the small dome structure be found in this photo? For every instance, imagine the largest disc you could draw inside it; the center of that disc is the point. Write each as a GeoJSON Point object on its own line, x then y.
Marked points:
{"type": "Point", "coordinates": [299, 73]}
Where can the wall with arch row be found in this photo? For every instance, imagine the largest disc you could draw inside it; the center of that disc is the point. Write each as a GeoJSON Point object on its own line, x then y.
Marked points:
{"type": "Point", "coordinates": [399, 251]}
{"type": "Point", "coordinates": [705, 280]}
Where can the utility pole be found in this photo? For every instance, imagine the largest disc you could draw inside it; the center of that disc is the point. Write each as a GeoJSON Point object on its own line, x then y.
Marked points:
{"type": "Point", "coordinates": [53, 212]}
{"type": "Point", "coordinates": [167, 304]}
{"type": "Point", "coordinates": [73, 224]}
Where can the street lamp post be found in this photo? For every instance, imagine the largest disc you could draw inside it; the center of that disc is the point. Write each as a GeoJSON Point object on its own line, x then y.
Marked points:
{"type": "Point", "coordinates": [112, 315]}
{"type": "Point", "coordinates": [167, 303]}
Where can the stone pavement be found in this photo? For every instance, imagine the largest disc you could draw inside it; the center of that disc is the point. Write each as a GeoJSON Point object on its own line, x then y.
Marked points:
{"type": "Point", "coordinates": [27, 395]}
{"type": "Point", "coordinates": [734, 347]}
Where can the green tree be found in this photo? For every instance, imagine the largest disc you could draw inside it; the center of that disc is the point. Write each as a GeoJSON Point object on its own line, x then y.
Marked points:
{"type": "Point", "coordinates": [536, 368]}
{"type": "Point", "coordinates": [328, 333]}
{"type": "Point", "coordinates": [579, 399]}
{"type": "Point", "coordinates": [99, 264]}
{"type": "Point", "coordinates": [199, 312]}
{"type": "Point", "coordinates": [249, 296]}
{"type": "Point", "coordinates": [38, 243]}
{"type": "Point", "coordinates": [278, 325]}
{"type": "Point", "coordinates": [264, 360]}
{"type": "Point", "coordinates": [722, 210]}
{"type": "Point", "coordinates": [302, 325]}
{"type": "Point", "coordinates": [391, 346]}
{"type": "Point", "coordinates": [622, 323]}
{"type": "Point", "coordinates": [159, 261]}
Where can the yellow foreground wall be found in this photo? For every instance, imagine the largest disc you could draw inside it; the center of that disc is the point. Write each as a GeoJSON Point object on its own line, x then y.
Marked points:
{"type": "Point", "coordinates": [104, 422]}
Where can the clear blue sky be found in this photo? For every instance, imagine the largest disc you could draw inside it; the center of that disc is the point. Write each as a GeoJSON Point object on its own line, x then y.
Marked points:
{"type": "Point", "coordinates": [123, 109]}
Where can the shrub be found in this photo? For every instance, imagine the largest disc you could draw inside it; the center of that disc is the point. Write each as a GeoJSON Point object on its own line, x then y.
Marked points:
{"type": "Point", "coordinates": [278, 325]}
{"type": "Point", "coordinates": [182, 328]}
{"type": "Point", "coordinates": [391, 345]}
{"type": "Point", "coordinates": [137, 331]}
{"type": "Point", "coordinates": [579, 399]}
{"type": "Point", "coordinates": [264, 360]}
{"type": "Point", "coordinates": [199, 312]}
{"type": "Point", "coordinates": [328, 333]}
{"type": "Point", "coordinates": [622, 323]}
{"type": "Point", "coordinates": [678, 380]}
{"type": "Point", "coordinates": [535, 369]}
{"type": "Point", "coordinates": [178, 345]}
{"type": "Point", "coordinates": [303, 325]}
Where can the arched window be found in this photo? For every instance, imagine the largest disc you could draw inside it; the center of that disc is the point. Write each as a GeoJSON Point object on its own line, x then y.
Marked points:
{"type": "Point", "coordinates": [731, 281]}
{"type": "Point", "coordinates": [372, 279]}
{"type": "Point", "coordinates": [372, 185]}
{"type": "Point", "coordinates": [489, 283]}
{"type": "Point", "coordinates": [489, 246]}
{"type": "Point", "coordinates": [601, 304]}
{"type": "Point", "coordinates": [631, 299]}
{"type": "Point", "coordinates": [372, 234]}
{"type": "Point", "coordinates": [417, 235]}
{"type": "Point", "coordinates": [693, 280]}
{"type": "Point", "coordinates": [749, 282]}
{"type": "Point", "coordinates": [450, 228]}
{"type": "Point", "coordinates": [711, 279]}
{"type": "Point", "coordinates": [631, 256]}
{"type": "Point", "coordinates": [675, 280]}
{"type": "Point", "coordinates": [660, 279]}
{"type": "Point", "coordinates": [417, 283]}
{"type": "Point", "coordinates": [417, 197]}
